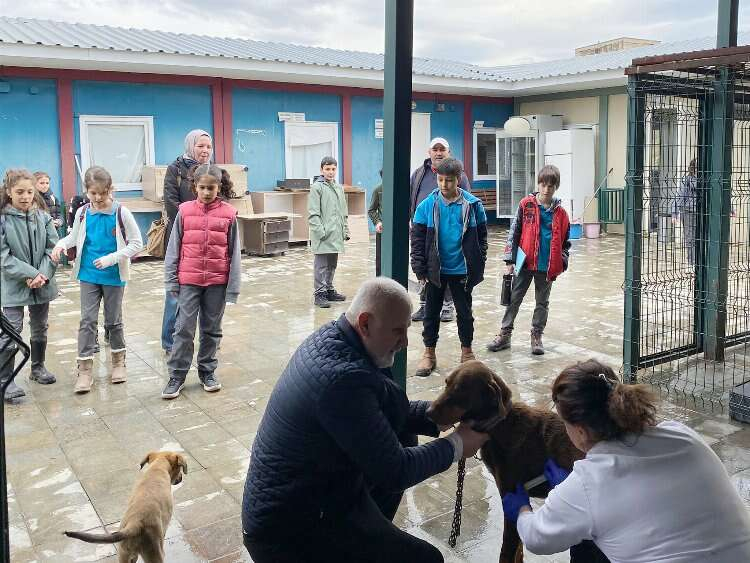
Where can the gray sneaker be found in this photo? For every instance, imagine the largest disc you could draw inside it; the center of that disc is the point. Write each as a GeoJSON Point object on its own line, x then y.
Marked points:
{"type": "Point", "coordinates": [418, 315]}
{"type": "Point", "coordinates": [447, 313]}
{"type": "Point", "coordinates": [210, 383]}
{"type": "Point", "coordinates": [173, 388]}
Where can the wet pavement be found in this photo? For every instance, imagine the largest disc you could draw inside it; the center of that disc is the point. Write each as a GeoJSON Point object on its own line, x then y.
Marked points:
{"type": "Point", "coordinates": [72, 459]}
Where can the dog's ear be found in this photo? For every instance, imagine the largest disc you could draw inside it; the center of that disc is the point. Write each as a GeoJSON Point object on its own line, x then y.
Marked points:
{"type": "Point", "coordinates": [502, 392]}
{"type": "Point", "coordinates": [180, 461]}
{"type": "Point", "coordinates": [147, 459]}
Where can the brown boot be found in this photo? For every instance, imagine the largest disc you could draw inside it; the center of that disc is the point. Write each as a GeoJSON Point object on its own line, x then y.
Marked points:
{"type": "Point", "coordinates": [119, 375]}
{"type": "Point", "coordinates": [537, 348]}
{"type": "Point", "coordinates": [467, 354]}
{"type": "Point", "coordinates": [427, 364]}
{"type": "Point", "coordinates": [84, 376]}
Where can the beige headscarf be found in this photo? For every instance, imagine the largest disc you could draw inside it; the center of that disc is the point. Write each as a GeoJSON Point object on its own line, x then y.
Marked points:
{"type": "Point", "coordinates": [191, 139]}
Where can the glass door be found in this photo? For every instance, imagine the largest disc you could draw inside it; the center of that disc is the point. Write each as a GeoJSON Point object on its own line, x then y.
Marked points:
{"type": "Point", "coordinates": [517, 160]}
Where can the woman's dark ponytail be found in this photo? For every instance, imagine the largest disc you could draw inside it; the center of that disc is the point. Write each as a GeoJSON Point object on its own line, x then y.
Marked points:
{"type": "Point", "coordinates": [589, 394]}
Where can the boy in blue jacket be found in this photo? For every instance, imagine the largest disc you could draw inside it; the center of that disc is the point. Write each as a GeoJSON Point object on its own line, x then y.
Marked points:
{"type": "Point", "coordinates": [448, 250]}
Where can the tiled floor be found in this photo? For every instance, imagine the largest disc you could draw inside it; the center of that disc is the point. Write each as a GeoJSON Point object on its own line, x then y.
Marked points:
{"type": "Point", "coordinates": [73, 459]}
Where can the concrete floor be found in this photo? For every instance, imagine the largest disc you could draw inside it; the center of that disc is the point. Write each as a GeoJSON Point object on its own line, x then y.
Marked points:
{"type": "Point", "coordinates": [71, 460]}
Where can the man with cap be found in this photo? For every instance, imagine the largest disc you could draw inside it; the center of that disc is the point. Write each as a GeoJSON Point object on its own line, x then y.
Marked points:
{"type": "Point", "coordinates": [423, 183]}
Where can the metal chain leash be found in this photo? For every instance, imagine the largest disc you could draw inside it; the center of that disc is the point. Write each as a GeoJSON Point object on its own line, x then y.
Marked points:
{"type": "Point", "coordinates": [456, 526]}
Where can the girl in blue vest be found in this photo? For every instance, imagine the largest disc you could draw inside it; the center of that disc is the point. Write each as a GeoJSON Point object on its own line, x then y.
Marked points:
{"type": "Point", "coordinates": [27, 236]}
{"type": "Point", "coordinates": [202, 272]}
{"type": "Point", "coordinates": [105, 237]}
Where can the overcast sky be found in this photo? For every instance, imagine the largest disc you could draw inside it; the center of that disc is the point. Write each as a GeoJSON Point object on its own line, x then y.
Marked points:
{"type": "Point", "coordinates": [487, 32]}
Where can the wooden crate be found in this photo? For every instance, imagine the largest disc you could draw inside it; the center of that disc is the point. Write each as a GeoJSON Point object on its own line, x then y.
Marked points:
{"type": "Point", "coordinates": [152, 182]}
{"type": "Point", "coordinates": [266, 237]}
{"type": "Point", "coordinates": [238, 174]}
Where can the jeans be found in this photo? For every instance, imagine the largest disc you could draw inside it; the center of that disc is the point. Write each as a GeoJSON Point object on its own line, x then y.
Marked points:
{"type": "Point", "coordinates": [324, 267]}
{"type": "Point", "coordinates": [204, 304]}
{"type": "Point", "coordinates": [434, 303]}
{"type": "Point", "coordinates": [92, 294]}
{"type": "Point", "coordinates": [362, 534]}
{"type": "Point", "coordinates": [168, 321]}
{"type": "Point", "coordinates": [542, 289]}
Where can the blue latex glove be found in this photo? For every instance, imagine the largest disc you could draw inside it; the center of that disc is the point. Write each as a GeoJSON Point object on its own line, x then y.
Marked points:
{"type": "Point", "coordinates": [554, 473]}
{"type": "Point", "coordinates": [513, 502]}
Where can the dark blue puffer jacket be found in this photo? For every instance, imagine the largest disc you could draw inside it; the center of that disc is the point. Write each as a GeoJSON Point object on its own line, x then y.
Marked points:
{"type": "Point", "coordinates": [330, 432]}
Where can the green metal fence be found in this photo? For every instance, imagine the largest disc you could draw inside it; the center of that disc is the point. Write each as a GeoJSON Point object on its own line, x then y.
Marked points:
{"type": "Point", "coordinates": [612, 206]}
{"type": "Point", "coordinates": [687, 272]}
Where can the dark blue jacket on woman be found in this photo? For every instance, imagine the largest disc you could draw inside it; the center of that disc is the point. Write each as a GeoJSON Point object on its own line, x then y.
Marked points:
{"type": "Point", "coordinates": [329, 434]}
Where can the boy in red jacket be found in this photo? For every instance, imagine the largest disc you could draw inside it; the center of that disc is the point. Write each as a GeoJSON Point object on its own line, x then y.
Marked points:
{"type": "Point", "coordinates": [541, 230]}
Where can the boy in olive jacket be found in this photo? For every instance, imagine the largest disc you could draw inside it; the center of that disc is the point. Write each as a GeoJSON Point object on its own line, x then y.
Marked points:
{"type": "Point", "coordinates": [327, 216]}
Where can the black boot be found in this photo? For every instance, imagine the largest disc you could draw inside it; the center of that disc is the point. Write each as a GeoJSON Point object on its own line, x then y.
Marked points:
{"type": "Point", "coordinates": [13, 391]}
{"type": "Point", "coordinates": [39, 373]}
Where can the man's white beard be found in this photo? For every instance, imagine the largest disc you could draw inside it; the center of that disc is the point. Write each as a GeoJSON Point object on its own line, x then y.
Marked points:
{"type": "Point", "coordinates": [385, 361]}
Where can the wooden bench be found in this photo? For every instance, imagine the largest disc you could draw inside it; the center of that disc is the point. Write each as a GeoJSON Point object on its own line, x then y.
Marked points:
{"type": "Point", "coordinates": [488, 198]}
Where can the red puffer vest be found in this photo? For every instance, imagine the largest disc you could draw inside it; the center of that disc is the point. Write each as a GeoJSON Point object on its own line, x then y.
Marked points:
{"type": "Point", "coordinates": [204, 253]}
{"type": "Point", "coordinates": [530, 232]}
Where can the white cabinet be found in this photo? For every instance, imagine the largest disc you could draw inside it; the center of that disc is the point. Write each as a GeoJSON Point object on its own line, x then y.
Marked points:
{"type": "Point", "coordinates": [572, 151]}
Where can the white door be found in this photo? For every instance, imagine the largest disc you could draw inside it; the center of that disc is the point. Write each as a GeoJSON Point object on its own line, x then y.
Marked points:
{"type": "Point", "coordinates": [420, 138]}
{"type": "Point", "coordinates": [564, 162]}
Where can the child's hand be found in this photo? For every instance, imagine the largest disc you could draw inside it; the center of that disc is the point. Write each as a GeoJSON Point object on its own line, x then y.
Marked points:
{"type": "Point", "coordinates": [37, 282]}
{"type": "Point", "coordinates": [56, 252]}
{"type": "Point", "coordinates": [509, 268]}
{"type": "Point", "coordinates": [57, 222]}
{"type": "Point", "coordinates": [99, 264]}
{"type": "Point", "coordinates": [379, 228]}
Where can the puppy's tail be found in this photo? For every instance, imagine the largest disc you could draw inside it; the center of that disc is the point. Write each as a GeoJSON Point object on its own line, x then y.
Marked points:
{"type": "Point", "coordinates": [103, 538]}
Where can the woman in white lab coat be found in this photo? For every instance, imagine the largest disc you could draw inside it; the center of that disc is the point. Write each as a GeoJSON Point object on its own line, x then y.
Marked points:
{"type": "Point", "coordinates": [645, 492]}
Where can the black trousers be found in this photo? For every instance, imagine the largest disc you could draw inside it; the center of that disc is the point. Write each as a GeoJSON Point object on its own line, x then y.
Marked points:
{"type": "Point", "coordinates": [362, 535]}
{"type": "Point", "coordinates": [434, 303]}
{"type": "Point", "coordinates": [378, 236]}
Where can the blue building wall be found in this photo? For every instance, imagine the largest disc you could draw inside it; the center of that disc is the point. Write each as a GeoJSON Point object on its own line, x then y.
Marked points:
{"type": "Point", "coordinates": [259, 135]}
{"type": "Point", "coordinates": [29, 128]}
{"type": "Point", "coordinates": [175, 109]}
{"type": "Point", "coordinates": [448, 124]}
{"type": "Point", "coordinates": [367, 151]}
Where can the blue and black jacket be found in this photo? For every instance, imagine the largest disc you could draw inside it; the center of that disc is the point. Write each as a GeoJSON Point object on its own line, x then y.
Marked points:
{"type": "Point", "coordinates": [425, 257]}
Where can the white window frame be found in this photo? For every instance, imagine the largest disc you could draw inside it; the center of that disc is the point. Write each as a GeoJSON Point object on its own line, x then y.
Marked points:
{"type": "Point", "coordinates": [334, 125]}
{"type": "Point", "coordinates": [483, 131]}
{"type": "Point", "coordinates": [146, 121]}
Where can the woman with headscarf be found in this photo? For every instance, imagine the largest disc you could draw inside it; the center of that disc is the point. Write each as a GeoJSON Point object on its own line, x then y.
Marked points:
{"type": "Point", "coordinates": [177, 190]}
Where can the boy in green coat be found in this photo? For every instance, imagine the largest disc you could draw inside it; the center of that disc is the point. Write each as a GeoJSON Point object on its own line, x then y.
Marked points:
{"type": "Point", "coordinates": [327, 216]}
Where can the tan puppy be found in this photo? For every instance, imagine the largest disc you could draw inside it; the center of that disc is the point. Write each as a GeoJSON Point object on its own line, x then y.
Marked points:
{"type": "Point", "coordinates": [149, 511]}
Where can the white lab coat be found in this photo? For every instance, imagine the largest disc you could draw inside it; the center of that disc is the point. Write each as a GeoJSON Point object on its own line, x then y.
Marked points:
{"type": "Point", "coordinates": [662, 497]}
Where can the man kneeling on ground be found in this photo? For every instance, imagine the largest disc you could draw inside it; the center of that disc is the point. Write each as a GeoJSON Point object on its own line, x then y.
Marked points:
{"type": "Point", "coordinates": [329, 464]}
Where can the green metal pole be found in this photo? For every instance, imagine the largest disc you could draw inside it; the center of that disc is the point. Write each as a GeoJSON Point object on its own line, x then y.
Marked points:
{"type": "Point", "coordinates": [633, 230]}
{"type": "Point", "coordinates": [726, 31]}
{"type": "Point", "coordinates": [719, 206]}
{"type": "Point", "coordinates": [399, 20]}
{"type": "Point", "coordinates": [720, 194]}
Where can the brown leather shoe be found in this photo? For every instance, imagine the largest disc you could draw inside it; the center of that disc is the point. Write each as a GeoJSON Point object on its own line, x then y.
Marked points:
{"type": "Point", "coordinates": [427, 363]}
{"type": "Point", "coordinates": [500, 342]}
{"type": "Point", "coordinates": [537, 348]}
{"type": "Point", "coordinates": [467, 354]}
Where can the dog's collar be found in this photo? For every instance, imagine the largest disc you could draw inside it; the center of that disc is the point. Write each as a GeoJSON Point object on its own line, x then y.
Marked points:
{"type": "Point", "coordinates": [488, 424]}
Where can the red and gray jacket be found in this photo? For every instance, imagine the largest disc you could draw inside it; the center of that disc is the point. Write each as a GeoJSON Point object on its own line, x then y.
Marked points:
{"type": "Point", "coordinates": [204, 248]}
{"type": "Point", "coordinates": [525, 231]}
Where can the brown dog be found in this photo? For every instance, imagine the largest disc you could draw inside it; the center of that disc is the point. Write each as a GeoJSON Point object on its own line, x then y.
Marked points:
{"type": "Point", "coordinates": [521, 440]}
{"type": "Point", "coordinates": [148, 513]}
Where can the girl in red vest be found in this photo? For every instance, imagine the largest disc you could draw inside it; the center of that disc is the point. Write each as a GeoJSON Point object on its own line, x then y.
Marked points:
{"type": "Point", "coordinates": [202, 270]}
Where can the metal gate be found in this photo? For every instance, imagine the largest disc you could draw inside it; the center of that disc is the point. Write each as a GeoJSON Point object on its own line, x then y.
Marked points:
{"type": "Point", "coordinates": [687, 273]}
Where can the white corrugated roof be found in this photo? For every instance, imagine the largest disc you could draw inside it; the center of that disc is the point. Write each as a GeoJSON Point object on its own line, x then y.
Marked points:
{"type": "Point", "coordinates": [48, 33]}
